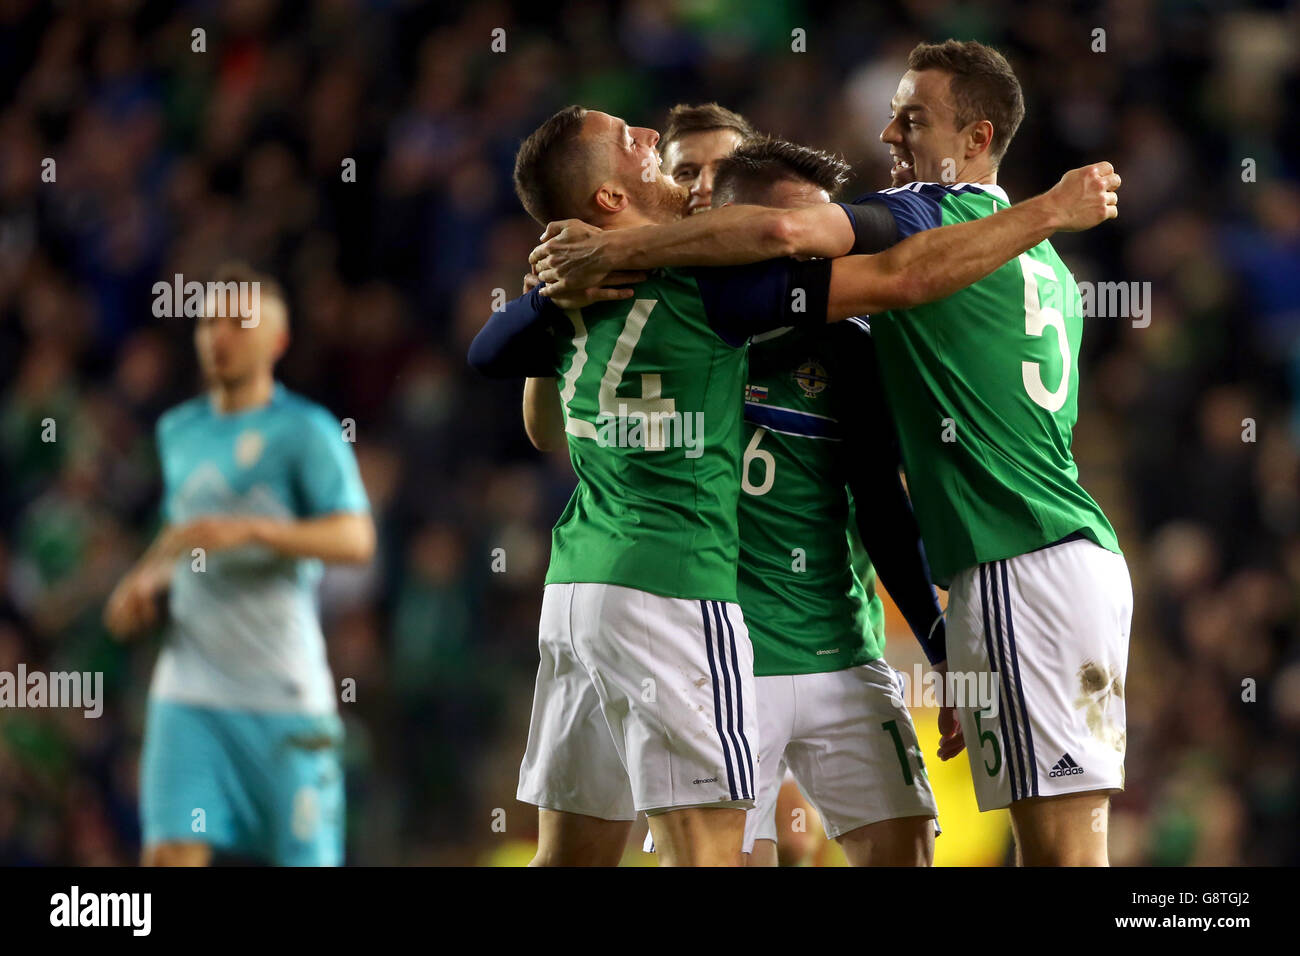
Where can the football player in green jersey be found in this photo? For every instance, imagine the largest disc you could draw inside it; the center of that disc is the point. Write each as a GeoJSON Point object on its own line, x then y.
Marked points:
{"type": "Point", "coordinates": [817, 428]}
{"type": "Point", "coordinates": [828, 704]}
{"type": "Point", "coordinates": [694, 139]}
{"type": "Point", "coordinates": [646, 664]}
{"type": "Point", "coordinates": [984, 388]}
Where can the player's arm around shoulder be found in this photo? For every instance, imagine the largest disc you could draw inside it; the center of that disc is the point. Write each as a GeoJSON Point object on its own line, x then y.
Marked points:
{"type": "Point", "coordinates": [936, 263]}
{"type": "Point", "coordinates": [516, 340]}
{"type": "Point", "coordinates": [811, 232]}
{"type": "Point", "coordinates": [574, 256]}
{"type": "Point", "coordinates": [513, 342]}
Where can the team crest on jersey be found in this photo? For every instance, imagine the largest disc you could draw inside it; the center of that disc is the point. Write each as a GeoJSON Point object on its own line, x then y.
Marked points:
{"type": "Point", "coordinates": [248, 448]}
{"type": "Point", "coordinates": [811, 377]}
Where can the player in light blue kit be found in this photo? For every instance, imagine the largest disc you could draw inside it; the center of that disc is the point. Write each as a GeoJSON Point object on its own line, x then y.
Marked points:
{"type": "Point", "coordinates": [242, 741]}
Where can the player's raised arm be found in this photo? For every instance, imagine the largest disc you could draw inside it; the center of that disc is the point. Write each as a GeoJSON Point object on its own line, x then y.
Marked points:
{"type": "Point", "coordinates": [936, 263]}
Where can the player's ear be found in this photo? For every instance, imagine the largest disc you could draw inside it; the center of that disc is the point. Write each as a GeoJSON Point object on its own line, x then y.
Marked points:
{"type": "Point", "coordinates": [611, 198]}
{"type": "Point", "coordinates": [979, 138]}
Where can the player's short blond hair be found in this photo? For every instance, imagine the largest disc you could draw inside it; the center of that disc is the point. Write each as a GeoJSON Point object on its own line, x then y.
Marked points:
{"type": "Point", "coordinates": [551, 167]}
{"type": "Point", "coordinates": [238, 271]}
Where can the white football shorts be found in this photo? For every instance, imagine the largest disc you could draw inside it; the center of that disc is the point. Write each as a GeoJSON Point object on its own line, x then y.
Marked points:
{"type": "Point", "coordinates": [642, 703]}
{"type": "Point", "coordinates": [1049, 632]}
{"type": "Point", "coordinates": [848, 740]}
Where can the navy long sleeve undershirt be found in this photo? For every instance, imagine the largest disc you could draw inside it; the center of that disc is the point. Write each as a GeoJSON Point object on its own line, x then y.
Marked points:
{"type": "Point", "coordinates": [517, 342]}
{"type": "Point", "coordinates": [739, 301]}
{"type": "Point", "coordinates": [884, 515]}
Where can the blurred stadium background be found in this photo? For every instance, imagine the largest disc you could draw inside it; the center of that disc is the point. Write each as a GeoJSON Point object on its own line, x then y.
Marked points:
{"type": "Point", "coordinates": [171, 161]}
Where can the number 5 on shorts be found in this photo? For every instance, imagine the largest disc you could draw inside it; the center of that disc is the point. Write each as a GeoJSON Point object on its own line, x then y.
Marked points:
{"type": "Point", "coordinates": [991, 738]}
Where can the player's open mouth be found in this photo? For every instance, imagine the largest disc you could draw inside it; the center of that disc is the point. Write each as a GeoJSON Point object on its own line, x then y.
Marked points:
{"type": "Point", "coordinates": [901, 164]}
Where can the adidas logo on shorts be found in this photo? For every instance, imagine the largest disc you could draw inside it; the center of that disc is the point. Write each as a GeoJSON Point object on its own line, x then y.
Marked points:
{"type": "Point", "coordinates": [1065, 766]}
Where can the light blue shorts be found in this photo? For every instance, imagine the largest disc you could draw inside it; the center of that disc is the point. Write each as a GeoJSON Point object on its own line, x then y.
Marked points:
{"type": "Point", "coordinates": [265, 786]}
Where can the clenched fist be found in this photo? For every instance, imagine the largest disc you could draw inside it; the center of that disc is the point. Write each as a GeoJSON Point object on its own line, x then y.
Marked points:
{"type": "Point", "coordinates": [1085, 197]}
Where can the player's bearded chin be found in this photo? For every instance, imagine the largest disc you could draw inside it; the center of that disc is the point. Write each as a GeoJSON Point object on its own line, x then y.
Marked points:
{"type": "Point", "coordinates": [664, 200]}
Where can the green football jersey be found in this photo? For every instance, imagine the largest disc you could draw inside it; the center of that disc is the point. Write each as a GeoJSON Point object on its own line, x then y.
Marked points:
{"type": "Point", "coordinates": [652, 397]}
{"type": "Point", "coordinates": [984, 388]}
{"type": "Point", "coordinates": [806, 609]}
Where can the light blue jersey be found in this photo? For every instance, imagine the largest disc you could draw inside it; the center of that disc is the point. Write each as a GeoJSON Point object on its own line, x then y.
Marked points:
{"type": "Point", "coordinates": [244, 632]}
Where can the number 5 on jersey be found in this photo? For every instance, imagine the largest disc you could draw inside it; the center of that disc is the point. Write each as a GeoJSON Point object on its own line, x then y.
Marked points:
{"type": "Point", "coordinates": [1038, 318]}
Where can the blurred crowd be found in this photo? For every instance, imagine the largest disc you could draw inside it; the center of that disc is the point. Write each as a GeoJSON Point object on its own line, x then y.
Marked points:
{"type": "Point", "coordinates": [167, 159]}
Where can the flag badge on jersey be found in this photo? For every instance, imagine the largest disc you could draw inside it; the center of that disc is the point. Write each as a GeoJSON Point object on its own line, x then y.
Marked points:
{"type": "Point", "coordinates": [811, 377]}
{"type": "Point", "coordinates": [755, 393]}
{"type": "Point", "coordinates": [248, 448]}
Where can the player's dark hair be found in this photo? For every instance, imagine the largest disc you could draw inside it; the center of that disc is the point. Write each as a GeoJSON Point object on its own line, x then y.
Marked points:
{"type": "Point", "coordinates": [545, 164]}
{"type": "Point", "coordinates": [684, 118]}
{"type": "Point", "coordinates": [759, 163]}
{"type": "Point", "coordinates": [983, 86]}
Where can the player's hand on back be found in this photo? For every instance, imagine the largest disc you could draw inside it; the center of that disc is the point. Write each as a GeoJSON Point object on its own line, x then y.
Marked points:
{"type": "Point", "coordinates": [582, 298]}
{"type": "Point", "coordinates": [614, 287]}
{"type": "Point", "coordinates": [1085, 197]}
{"type": "Point", "coordinates": [569, 257]}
